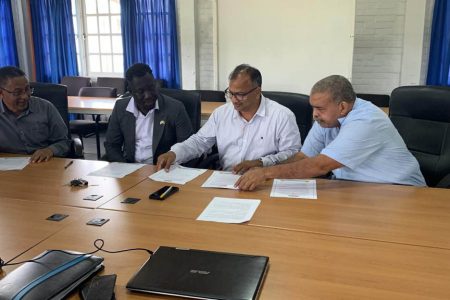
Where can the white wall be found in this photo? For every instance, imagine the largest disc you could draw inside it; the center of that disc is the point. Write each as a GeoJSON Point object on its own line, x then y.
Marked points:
{"type": "Point", "coordinates": [294, 43]}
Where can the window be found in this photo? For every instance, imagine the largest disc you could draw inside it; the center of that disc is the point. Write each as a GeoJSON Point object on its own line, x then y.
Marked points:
{"type": "Point", "coordinates": [98, 37]}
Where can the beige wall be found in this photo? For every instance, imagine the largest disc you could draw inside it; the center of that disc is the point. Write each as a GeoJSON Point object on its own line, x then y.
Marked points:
{"type": "Point", "coordinates": [294, 43]}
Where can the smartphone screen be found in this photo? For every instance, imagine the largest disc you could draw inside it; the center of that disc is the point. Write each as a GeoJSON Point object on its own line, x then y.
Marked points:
{"type": "Point", "coordinates": [164, 192]}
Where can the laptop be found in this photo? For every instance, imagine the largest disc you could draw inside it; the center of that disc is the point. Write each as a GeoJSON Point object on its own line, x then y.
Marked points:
{"type": "Point", "coordinates": [201, 274]}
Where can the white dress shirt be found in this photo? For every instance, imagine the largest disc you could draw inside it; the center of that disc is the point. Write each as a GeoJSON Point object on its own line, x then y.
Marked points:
{"type": "Point", "coordinates": [272, 135]}
{"type": "Point", "coordinates": [144, 133]}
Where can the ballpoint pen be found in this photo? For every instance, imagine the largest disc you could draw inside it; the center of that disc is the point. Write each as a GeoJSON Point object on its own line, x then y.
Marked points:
{"type": "Point", "coordinates": [166, 192]}
{"type": "Point", "coordinates": [68, 165]}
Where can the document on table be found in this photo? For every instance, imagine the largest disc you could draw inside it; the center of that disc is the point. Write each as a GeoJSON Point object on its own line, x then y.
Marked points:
{"type": "Point", "coordinates": [294, 188]}
{"type": "Point", "coordinates": [221, 179]}
{"type": "Point", "coordinates": [229, 210]}
{"type": "Point", "coordinates": [13, 163]}
{"type": "Point", "coordinates": [177, 174]}
{"type": "Point", "coordinates": [116, 170]}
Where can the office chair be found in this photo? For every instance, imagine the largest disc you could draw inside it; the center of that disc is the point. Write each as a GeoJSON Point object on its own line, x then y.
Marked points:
{"type": "Point", "coordinates": [421, 115]}
{"type": "Point", "coordinates": [75, 83]}
{"type": "Point", "coordinates": [377, 99]}
{"type": "Point", "coordinates": [57, 95]}
{"type": "Point", "coordinates": [299, 105]}
{"type": "Point", "coordinates": [98, 91]}
{"type": "Point", "coordinates": [212, 96]}
{"type": "Point", "coordinates": [114, 82]}
{"type": "Point", "coordinates": [191, 101]}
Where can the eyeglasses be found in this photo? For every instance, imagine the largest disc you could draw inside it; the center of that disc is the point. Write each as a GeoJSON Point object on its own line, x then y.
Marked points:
{"type": "Point", "coordinates": [240, 96]}
{"type": "Point", "coordinates": [28, 91]}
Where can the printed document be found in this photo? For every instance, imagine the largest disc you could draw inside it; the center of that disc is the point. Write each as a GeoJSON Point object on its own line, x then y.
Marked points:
{"type": "Point", "coordinates": [177, 174]}
{"type": "Point", "coordinates": [116, 170]}
{"type": "Point", "coordinates": [221, 179]}
{"type": "Point", "coordinates": [229, 210]}
{"type": "Point", "coordinates": [13, 163]}
{"type": "Point", "coordinates": [294, 188]}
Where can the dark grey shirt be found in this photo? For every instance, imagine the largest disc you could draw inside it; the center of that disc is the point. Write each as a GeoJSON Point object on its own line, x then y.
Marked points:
{"type": "Point", "coordinates": [40, 126]}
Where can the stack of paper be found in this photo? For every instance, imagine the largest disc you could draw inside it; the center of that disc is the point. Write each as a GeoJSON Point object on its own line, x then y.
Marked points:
{"type": "Point", "coordinates": [229, 210]}
{"type": "Point", "coordinates": [294, 188]}
{"type": "Point", "coordinates": [116, 170]}
{"type": "Point", "coordinates": [177, 174]}
{"type": "Point", "coordinates": [221, 179]}
{"type": "Point", "coordinates": [13, 163]}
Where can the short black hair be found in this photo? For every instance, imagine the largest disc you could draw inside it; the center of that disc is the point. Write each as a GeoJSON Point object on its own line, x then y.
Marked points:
{"type": "Point", "coordinates": [137, 70]}
{"type": "Point", "coordinates": [254, 73]}
{"type": "Point", "coordinates": [9, 72]}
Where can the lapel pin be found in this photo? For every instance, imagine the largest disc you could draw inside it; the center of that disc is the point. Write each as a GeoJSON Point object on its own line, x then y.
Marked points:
{"type": "Point", "coordinates": [162, 122]}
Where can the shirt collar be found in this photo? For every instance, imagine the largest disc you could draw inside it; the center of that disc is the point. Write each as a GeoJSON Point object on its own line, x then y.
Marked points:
{"type": "Point", "coordinates": [355, 105]}
{"type": "Point", "coordinates": [132, 108]}
{"type": "Point", "coordinates": [4, 109]}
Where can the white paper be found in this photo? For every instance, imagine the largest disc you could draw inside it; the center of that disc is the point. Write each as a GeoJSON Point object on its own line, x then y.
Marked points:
{"type": "Point", "coordinates": [294, 188]}
{"type": "Point", "coordinates": [229, 210]}
{"type": "Point", "coordinates": [13, 163]}
{"type": "Point", "coordinates": [177, 174]}
{"type": "Point", "coordinates": [221, 179]}
{"type": "Point", "coordinates": [116, 170]}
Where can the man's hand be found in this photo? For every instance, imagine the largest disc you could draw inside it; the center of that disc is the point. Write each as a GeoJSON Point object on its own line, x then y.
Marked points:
{"type": "Point", "coordinates": [250, 180]}
{"type": "Point", "coordinates": [246, 165]}
{"type": "Point", "coordinates": [165, 160]}
{"type": "Point", "coordinates": [41, 155]}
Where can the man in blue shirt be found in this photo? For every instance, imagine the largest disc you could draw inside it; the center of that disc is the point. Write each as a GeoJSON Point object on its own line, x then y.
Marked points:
{"type": "Point", "coordinates": [351, 137]}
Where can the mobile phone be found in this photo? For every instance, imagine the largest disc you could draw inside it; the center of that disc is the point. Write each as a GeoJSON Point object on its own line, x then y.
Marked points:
{"type": "Point", "coordinates": [97, 221]}
{"type": "Point", "coordinates": [57, 217]}
{"type": "Point", "coordinates": [164, 192]}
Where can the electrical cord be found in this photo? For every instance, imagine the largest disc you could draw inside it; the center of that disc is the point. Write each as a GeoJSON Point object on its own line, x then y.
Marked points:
{"type": "Point", "coordinates": [97, 247]}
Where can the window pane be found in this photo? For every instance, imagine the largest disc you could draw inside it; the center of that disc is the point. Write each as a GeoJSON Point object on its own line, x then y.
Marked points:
{"type": "Point", "coordinates": [94, 63]}
{"type": "Point", "coordinates": [77, 46]}
{"type": "Point", "coordinates": [104, 24]}
{"type": "Point", "coordinates": [115, 24]}
{"type": "Point", "coordinates": [75, 25]}
{"type": "Point", "coordinates": [103, 6]}
{"type": "Point", "coordinates": [105, 41]}
{"type": "Point", "coordinates": [114, 6]}
{"type": "Point", "coordinates": [106, 63]}
{"type": "Point", "coordinates": [74, 7]}
{"type": "Point", "coordinates": [90, 6]}
{"type": "Point", "coordinates": [117, 44]}
{"type": "Point", "coordinates": [93, 44]}
{"type": "Point", "coordinates": [91, 25]}
{"type": "Point", "coordinates": [118, 64]}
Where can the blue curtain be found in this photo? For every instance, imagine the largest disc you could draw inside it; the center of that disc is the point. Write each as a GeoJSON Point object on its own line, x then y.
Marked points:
{"type": "Point", "coordinates": [149, 35]}
{"type": "Point", "coordinates": [54, 40]}
{"type": "Point", "coordinates": [8, 50]}
{"type": "Point", "coordinates": [439, 61]}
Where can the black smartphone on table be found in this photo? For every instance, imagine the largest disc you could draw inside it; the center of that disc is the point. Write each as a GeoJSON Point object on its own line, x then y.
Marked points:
{"type": "Point", "coordinates": [164, 192]}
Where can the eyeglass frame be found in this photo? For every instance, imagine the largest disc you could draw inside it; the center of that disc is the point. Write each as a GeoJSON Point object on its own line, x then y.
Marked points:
{"type": "Point", "coordinates": [240, 96]}
{"type": "Point", "coordinates": [28, 90]}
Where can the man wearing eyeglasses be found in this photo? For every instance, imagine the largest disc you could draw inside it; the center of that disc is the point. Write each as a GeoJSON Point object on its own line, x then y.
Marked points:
{"type": "Point", "coordinates": [29, 125]}
{"type": "Point", "coordinates": [250, 131]}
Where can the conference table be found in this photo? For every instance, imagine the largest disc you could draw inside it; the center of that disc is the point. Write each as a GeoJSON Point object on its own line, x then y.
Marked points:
{"type": "Point", "coordinates": [356, 241]}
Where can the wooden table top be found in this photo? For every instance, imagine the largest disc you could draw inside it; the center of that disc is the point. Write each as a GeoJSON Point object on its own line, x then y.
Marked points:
{"type": "Point", "coordinates": [23, 224]}
{"type": "Point", "coordinates": [48, 182]}
{"type": "Point", "coordinates": [302, 265]}
{"type": "Point", "coordinates": [401, 214]}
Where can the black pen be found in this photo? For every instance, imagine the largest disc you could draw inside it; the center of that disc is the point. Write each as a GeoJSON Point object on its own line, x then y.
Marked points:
{"type": "Point", "coordinates": [68, 165]}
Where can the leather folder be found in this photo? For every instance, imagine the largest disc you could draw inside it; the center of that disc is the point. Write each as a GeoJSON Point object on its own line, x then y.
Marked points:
{"type": "Point", "coordinates": [52, 275]}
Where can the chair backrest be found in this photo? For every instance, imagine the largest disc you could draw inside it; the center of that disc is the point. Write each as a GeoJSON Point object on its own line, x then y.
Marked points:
{"type": "Point", "coordinates": [98, 92]}
{"type": "Point", "coordinates": [191, 101]}
{"type": "Point", "coordinates": [299, 105]}
{"type": "Point", "coordinates": [75, 83]}
{"type": "Point", "coordinates": [421, 115]}
{"type": "Point", "coordinates": [113, 82]}
{"type": "Point", "coordinates": [56, 94]}
{"type": "Point", "coordinates": [377, 99]}
{"type": "Point", "coordinates": [212, 96]}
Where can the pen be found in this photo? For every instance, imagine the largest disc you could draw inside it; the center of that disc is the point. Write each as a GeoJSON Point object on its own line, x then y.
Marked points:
{"type": "Point", "coordinates": [166, 192]}
{"type": "Point", "coordinates": [68, 165]}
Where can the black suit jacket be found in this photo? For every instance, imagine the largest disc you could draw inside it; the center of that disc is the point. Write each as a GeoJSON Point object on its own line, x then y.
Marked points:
{"type": "Point", "coordinates": [171, 125]}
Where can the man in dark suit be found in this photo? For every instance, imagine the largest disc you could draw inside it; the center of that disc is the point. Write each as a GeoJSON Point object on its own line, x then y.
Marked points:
{"type": "Point", "coordinates": [145, 124]}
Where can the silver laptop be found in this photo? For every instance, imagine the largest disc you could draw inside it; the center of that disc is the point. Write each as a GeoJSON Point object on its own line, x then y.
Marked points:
{"type": "Point", "coordinates": [201, 274]}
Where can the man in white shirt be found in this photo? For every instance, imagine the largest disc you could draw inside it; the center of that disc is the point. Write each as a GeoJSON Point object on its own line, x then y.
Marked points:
{"type": "Point", "coordinates": [145, 124]}
{"type": "Point", "coordinates": [250, 131]}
